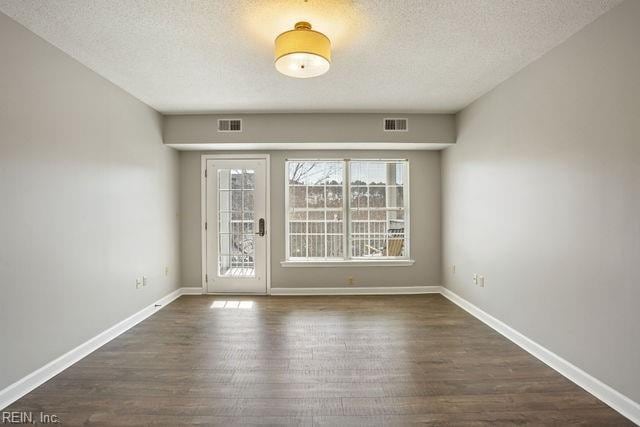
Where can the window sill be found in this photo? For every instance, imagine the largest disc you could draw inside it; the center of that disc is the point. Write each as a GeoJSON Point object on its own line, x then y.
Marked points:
{"type": "Point", "coordinates": [351, 263]}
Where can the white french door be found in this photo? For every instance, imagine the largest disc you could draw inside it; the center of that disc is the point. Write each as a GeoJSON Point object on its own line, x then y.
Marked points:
{"type": "Point", "coordinates": [236, 225]}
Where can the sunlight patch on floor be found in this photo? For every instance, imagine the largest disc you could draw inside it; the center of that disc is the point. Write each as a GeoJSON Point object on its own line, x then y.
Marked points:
{"type": "Point", "coordinates": [245, 305]}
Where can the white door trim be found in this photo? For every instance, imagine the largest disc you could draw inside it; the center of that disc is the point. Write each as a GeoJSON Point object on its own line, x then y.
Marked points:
{"type": "Point", "coordinates": [203, 210]}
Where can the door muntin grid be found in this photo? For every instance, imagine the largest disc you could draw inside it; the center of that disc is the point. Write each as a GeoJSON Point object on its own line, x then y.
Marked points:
{"type": "Point", "coordinates": [236, 218]}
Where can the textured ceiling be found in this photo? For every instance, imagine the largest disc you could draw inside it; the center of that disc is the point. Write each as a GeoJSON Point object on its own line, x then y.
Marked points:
{"type": "Point", "coordinates": [183, 56]}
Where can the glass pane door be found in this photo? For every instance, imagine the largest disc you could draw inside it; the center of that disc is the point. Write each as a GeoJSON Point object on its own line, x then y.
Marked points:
{"type": "Point", "coordinates": [236, 213]}
{"type": "Point", "coordinates": [236, 242]}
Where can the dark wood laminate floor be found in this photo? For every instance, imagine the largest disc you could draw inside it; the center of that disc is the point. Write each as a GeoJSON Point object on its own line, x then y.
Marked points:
{"type": "Point", "coordinates": [344, 360]}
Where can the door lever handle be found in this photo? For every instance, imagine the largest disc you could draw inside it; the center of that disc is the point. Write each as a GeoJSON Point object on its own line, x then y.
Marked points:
{"type": "Point", "coordinates": [260, 227]}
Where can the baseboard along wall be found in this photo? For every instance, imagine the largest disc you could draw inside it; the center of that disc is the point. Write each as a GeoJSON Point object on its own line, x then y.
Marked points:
{"type": "Point", "coordinates": [38, 377]}
{"type": "Point", "coordinates": [383, 290]}
{"type": "Point", "coordinates": [607, 394]}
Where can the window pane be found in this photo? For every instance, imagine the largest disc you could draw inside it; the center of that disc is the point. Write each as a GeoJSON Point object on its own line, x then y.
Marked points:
{"type": "Point", "coordinates": [316, 215]}
{"type": "Point", "coordinates": [314, 209]}
{"type": "Point", "coordinates": [359, 197]}
{"type": "Point", "coordinates": [377, 228]}
{"type": "Point", "coordinates": [334, 228]}
{"type": "Point", "coordinates": [335, 246]}
{"type": "Point", "coordinates": [396, 173]}
{"type": "Point", "coordinates": [297, 215]}
{"type": "Point", "coordinates": [236, 179]}
{"type": "Point", "coordinates": [377, 197]}
{"type": "Point", "coordinates": [334, 197]}
{"type": "Point", "coordinates": [359, 214]}
{"type": "Point", "coordinates": [316, 227]}
{"type": "Point", "coordinates": [359, 247]}
{"type": "Point", "coordinates": [377, 209]}
{"type": "Point", "coordinates": [395, 196]}
{"type": "Point", "coordinates": [249, 179]}
{"type": "Point", "coordinates": [359, 227]}
{"type": "Point", "coordinates": [368, 173]}
{"type": "Point", "coordinates": [377, 172]}
{"type": "Point", "coordinates": [315, 172]}
{"type": "Point", "coordinates": [333, 215]}
{"type": "Point", "coordinates": [298, 197]}
{"type": "Point", "coordinates": [236, 200]}
{"type": "Point", "coordinates": [316, 197]}
{"type": "Point", "coordinates": [316, 246]}
{"type": "Point", "coordinates": [247, 200]}
{"type": "Point", "coordinates": [298, 246]}
{"type": "Point", "coordinates": [297, 227]}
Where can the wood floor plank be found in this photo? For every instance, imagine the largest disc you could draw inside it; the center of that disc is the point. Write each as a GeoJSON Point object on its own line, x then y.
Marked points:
{"type": "Point", "coordinates": [340, 360]}
{"type": "Point", "coordinates": [477, 387]}
{"type": "Point", "coordinates": [586, 417]}
{"type": "Point", "coordinates": [110, 419]}
{"type": "Point", "coordinates": [469, 403]}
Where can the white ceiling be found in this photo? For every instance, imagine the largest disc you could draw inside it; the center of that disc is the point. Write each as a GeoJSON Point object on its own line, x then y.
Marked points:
{"type": "Point", "coordinates": [183, 56]}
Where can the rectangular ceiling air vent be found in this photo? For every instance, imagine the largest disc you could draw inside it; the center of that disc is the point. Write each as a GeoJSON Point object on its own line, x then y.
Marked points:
{"type": "Point", "coordinates": [229, 125]}
{"type": "Point", "coordinates": [396, 125]}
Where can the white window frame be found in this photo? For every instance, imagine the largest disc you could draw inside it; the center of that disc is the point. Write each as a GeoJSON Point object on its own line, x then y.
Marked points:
{"type": "Point", "coordinates": [347, 259]}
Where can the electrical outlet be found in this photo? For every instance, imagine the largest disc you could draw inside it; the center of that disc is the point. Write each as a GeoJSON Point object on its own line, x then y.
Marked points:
{"type": "Point", "coordinates": [350, 280]}
{"type": "Point", "coordinates": [145, 281]}
{"type": "Point", "coordinates": [475, 278]}
{"type": "Point", "coordinates": [138, 283]}
{"type": "Point", "coordinates": [166, 270]}
{"type": "Point", "coordinates": [481, 281]}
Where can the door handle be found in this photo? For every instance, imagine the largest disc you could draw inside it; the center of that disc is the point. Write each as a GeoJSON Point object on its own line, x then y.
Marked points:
{"type": "Point", "coordinates": [260, 227]}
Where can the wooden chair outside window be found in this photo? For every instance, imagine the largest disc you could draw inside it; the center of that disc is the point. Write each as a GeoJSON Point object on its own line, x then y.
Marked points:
{"type": "Point", "coordinates": [394, 246]}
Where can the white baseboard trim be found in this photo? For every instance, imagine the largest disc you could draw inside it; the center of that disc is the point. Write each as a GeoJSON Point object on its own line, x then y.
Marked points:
{"type": "Point", "coordinates": [608, 395]}
{"type": "Point", "coordinates": [382, 290]}
{"type": "Point", "coordinates": [38, 377]}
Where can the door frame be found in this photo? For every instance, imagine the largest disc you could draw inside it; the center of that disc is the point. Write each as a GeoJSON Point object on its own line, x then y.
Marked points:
{"type": "Point", "coordinates": [203, 212]}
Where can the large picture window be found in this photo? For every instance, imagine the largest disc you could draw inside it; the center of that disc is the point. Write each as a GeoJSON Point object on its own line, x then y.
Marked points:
{"type": "Point", "coordinates": [347, 210]}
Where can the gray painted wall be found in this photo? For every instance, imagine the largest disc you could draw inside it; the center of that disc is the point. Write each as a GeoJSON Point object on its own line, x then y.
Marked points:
{"type": "Point", "coordinates": [88, 203]}
{"type": "Point", "coordinates": [541, 195]}
{"type": "Point", "coordinates": [287, 128]}
{"type": "Point", "coordinates": [425, 225]}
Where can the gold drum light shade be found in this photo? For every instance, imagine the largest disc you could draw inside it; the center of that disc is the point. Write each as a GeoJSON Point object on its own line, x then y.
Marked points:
{"type": "Point", "coordinates": [302, 52]}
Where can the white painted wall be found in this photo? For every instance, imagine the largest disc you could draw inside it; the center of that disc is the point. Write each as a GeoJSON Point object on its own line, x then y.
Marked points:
{"type": "Point", "coordinates": [425, 225]}
{"type": "Point", "coordinates": [88, 202]}
{"type": "Point", "coordinates": [541, 194]}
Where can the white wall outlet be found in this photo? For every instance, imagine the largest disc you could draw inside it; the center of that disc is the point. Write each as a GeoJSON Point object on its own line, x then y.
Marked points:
{"type": "Point", "coordinates": [481, 281]}
{"type": "Point", "coordinates": [166, 270]}
{"type": "Point", "coordinates": [138, 283]}
{"type": "Point", "coordinates": [475, 278]}
{"type": "Point", "coordinates": [145, 281]}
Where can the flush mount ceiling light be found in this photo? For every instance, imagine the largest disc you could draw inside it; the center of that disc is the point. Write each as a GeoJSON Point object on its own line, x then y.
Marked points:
{"type": "Point", "coordinates": [302, 52]}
